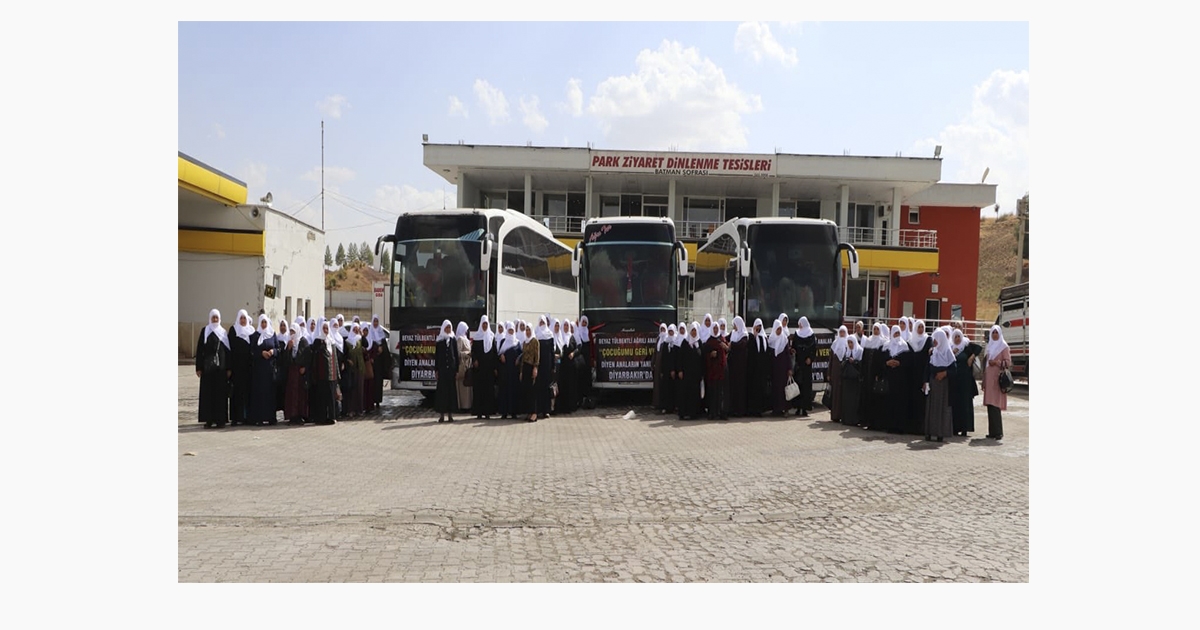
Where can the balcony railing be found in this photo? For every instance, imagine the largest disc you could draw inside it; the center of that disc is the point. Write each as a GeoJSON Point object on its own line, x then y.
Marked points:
{"type": "Point", "coordinates": [695, 229]}
{"type": "Point", "coordinates": [923, 239]}
{"type": "Point", "coordinates": [559, 223]}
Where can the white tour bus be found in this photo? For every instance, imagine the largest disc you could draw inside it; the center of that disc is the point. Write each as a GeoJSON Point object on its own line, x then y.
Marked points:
{"type": "Point", "coordinates": [757, 268]}
{"type": "Point", "coordinates": [460, 265]}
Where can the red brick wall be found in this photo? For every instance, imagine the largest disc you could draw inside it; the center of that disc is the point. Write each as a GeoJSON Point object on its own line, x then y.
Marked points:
{"type": "Point", "coordinates": [958, 263]}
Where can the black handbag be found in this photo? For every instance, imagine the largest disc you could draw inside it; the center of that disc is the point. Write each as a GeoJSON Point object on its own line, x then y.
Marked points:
{"type": "Point", "coordinates": [827, 397]}
{"type": "Point", "coordinates": [1006, 380]}
{"type": "Point", "coordinates": [880, 387]}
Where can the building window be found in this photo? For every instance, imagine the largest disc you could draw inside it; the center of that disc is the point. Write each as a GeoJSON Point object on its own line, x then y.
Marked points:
{"type": "Point", "coordinates": [808, 209]}
{"type": "Point", "coordinates": [699, 209]}
{"type": "Point", "coordinates": [576, 204]}
{"type": "Point", "coordinates": [278, 284]}
{"type": "Point", "coordinates": [516, 200]}
{"type": "Point", "coordinates": [307, 310]}
{"type": "Point", "coordinates": [914, 215]}
{"type": "Point", "coordinates": [787, 209]}
{"type": "Point", "coordinates": [610, 206]}
{"type": "Point", "coordinates": [654, 205]}
{"type": "Point", "coordinates": [554, 205]}
{"type": "Point", "coordinates": [739, 208]}
{"type": "Point", "coordinates": [494, 199]}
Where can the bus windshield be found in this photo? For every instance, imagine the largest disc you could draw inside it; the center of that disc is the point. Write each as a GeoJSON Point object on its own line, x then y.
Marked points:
{"type": "Point", "coordinates": [437, 262]}
{"type": "Point", "coordinates": [795, 269]}
{"type": "Point", "coordinates": [628, 274]}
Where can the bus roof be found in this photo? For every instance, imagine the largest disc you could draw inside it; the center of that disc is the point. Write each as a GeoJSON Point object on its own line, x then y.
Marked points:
{"type": "Point", "coordinates": [730, 227]}
{"type": "Point", "coordinates": [519, 218]}
{"type": "Point", "coordinates": [604, 220]}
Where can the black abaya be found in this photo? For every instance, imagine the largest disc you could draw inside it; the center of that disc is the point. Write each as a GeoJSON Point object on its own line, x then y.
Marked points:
{"type": "Point", "coordinates": [261, 406]}
{"type": "Point", "coordinates": [758, 375]}
{"type": "Point", "coordinates": [898, 403]}
{"type": "Point", "coordinates": [483, 390]}
{"type": "Point", "coordinates": [806, 352]}
{"type": "Point", "coordinates": [963, 389]}
{"type": "Point", "coordinates": [239, 381]}
{"type": "Point", "coordinates": [546, 362]}
{"type": "Point", "coordinates": [917, 367]}
{"type": "Point", "coordinates": [738, 369]}
{"type": "Point", "coordinates": [691, 363]}
{"type": "Point", "coordinates": [445, 358]}
{"type": "Point", "coordinates": [212, 361]}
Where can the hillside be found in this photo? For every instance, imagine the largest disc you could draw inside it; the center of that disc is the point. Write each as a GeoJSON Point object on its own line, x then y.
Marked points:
{"type": "Point", "coordinates": [997, 263]}
{"type": "Point", "coordinates": [358, 277]}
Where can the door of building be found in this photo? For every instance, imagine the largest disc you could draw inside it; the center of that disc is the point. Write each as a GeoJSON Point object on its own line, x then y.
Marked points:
{"type": "Point", "coordinates": [933, 310]}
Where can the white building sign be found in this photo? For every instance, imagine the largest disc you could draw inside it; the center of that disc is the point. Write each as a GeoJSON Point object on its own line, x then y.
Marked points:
{"type": "Point", "coordinates": [694, 164]}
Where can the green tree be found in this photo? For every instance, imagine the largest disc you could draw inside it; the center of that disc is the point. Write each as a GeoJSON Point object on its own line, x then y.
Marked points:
{"type": "Point", "coordinates": [352, 255]}
{"type": "Point", "coordinates": [340, 259]}
{"type": "Point", "coordinates": [366, 255]}
{"type": "Point", "coordinates": [328, 257]}
{"type": "Point", "coordinates": [386, 265]}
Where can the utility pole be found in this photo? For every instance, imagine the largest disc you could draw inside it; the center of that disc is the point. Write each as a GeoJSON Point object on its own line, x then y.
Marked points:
{"type": "Point", "coordinates": [322, 175]}
{"type": "Point", "coordinates": [1022, 218]}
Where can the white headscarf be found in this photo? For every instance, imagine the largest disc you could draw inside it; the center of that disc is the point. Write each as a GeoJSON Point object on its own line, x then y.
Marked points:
{"type": "Point", "coordinates": [673, 336]}
{"type": "Point", "coordinates": [312, 329]}
{"type": "Point", "coordinates": [839, 347]}
{"type": "Point", "coordinates": [241, 331]}
{"type": "Point", "coordinates": [582, 333]}
{"type": "Point", "coordinates": [878, 340]}
{"type": "Point", "coordinates": [461, 330]}
{"type": "Point", "coordinates": [442, 334]}
{"type": "Point", "coordinates": [269, 333]}
{"type": "Point", "coordinates": [760, 338]}
{"type": "Point", "coordinates": [917, 341]}
{"type": "Point", "coordinates": [855, 352]}
{"type": "Point", "coordinates": [723, 327]}
{"type": "Point", "coordinates": [694, 342]}
{"type": "Point", "coordinates": [706, 328]}
{"type": "Point", "coordinates": [215, 329]}
{"type": "Point", "coordinates": [522, 334]}
{"type": "Point", "coordinates": [897, 346]}
{"type": "Point", "coordinates": [739, 330]}
{"type": "Point", "coordinates": [905, 328]}
{"type": "Point", "coordinates": [942, 355]}
{"type": "Point", "coordinates": [297, 337]}
{"type": "Point", "coordinates": [335, 333]}
{"type": "Point", "coordinates": [804, 331]}
{"type": "Point", "coordinates": [376, 334]}
{"type": "Point", "coordinates": [284, 335]}
{"type": "Point", "coordinates": [662, 335]}
{"type": "Point", "coordinates": [508, 339]}
{"type": "Point", "coordinates": [778, 341]}
{"type": "Point", "coordinates": [997, 347]}
{"type": "Point", "coordinates": [354, 337]}
{"type": "Point", "coordinates": [963, 342]}
{"type": "Point", "coordinates": [715, 331]}
{"type": "Point", "coordinates": [488, 337]}
{"type": "Point", "coordinates": [325, 337]}
{"type": "Point", "coordinates": [543, 332]}
{"type": "Point", "coordinates": [560, 336]}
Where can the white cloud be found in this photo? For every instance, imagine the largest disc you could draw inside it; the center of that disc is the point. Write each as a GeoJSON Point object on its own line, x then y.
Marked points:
{"type": "Point", "coordinates": [457, 108]}
{"type": "Point", "coordinates": [993, 135]}
{"type": "Point", "coordinates": [218, 132]}
{"type": "Point", "coordinates": [334, 175]}
{"type": "Point", "coordinates": [574, 104]}
{"type": "Point", "coordinates": [332, 105]}
{"type": "Point", "coordinates": [405, 197]}
{"type": "Point", "coordinates": [674, 98]}
{"type": "Point", "coordinates": [532, 117]}
{"type": "Point", "coordinates": [492, 100]}
{"type": "Point", "coordinates": [756, 39]}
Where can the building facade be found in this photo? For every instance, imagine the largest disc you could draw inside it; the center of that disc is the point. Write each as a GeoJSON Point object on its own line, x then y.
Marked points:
{"type": "Point", "coordinates": [917, 237]}
{"type": "Point", "coordinates": [234, 255]}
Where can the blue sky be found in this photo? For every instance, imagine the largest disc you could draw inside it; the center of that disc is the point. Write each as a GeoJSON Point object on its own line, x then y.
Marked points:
{"type": "Point", "coordinates": [252, 97]}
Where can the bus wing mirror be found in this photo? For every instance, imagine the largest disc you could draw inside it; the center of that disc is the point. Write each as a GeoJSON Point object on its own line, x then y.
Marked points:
{"type": "Point", "coordinates": [852, 255]}
{"type": "Point", "coordinates": [682, 257]}
{"type": "Point", "coordinates": [575, 254]}
{"type": "Point", "coordinates": [386, 238]}
{"type": "Point", "coordinates": [744, 262]}
{"type": "Point", "coordinates": [485, 260]}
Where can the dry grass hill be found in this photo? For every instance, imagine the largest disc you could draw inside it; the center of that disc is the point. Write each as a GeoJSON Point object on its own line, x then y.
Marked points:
{"type": "Point", "coordinates": [355, 277]}
{"type": "Point", "coordinates": [997, 263]}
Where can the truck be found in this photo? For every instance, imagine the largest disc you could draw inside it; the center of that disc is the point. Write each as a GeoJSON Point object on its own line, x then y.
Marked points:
{"type": "Point", "coordinates": [1013, 321]}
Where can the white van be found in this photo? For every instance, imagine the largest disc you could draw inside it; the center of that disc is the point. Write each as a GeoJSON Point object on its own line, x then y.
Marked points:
{"type": "Point", "coordinates": [1014, 321]}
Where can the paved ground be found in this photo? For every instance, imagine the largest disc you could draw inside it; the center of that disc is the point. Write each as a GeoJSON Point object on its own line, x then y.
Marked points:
{"type": "Point", "coordinates": [598, 498]}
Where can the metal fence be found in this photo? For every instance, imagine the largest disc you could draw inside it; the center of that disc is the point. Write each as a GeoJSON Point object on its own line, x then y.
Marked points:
{"type": "Point", "coordinates": [558, 223]}
{"type": "Point", "coordinates": [924, 239]}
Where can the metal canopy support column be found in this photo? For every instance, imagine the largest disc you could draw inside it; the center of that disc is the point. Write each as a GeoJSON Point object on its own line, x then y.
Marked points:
{"type": "Point", "coordinates": [528, 194]}
{"type": "Point", "coordinates": [894, 237]}
{"type": "Point", "coordinates": [775, 199]}
{"type": "Point", "coordinates": [678, 216]}
{"type": "Point", "coordinates": [844, 211]}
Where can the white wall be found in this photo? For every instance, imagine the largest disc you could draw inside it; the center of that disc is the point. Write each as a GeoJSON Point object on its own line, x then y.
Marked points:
{"type": "Point", "coordinates": [221, 281]}
{"type": "Point", "coordinates": [296, 252]}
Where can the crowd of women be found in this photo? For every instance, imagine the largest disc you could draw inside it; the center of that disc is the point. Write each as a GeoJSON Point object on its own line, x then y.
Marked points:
{"type": "Point", "coordinates": [315, 371]}
{"type": "Point", "coordinates": [899, 380]}
{"type": "Point", "coordinates": [515, 371]}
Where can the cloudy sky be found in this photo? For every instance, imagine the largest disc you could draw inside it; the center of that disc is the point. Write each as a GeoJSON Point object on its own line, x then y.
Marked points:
{"type": "Point", "coordinates": [252, 97]}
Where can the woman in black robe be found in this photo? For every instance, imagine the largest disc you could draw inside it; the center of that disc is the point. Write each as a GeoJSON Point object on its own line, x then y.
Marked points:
{"type": "Point", "coordinates": [261, 407]}
{"type": "Point", "coordinates": [938, 420]}
{"type": "Point", "coordinates": [283, 360]}
{"type": "Point", "coordinates": [445, 358]}
{"type": "Point", "coordinates": [837, 355]}
{"type": "Point", "coordinates": [656, 371]}
{"type": "Point", "coordinates": [872, 411]}
{"type": "Point", "coordinates": [963, 388]}
{"type": "Point", "coordinates": [690, 372]}
{"type": "Point", "coordinates": [239, 367]}
{"type": "Point", "coordinates": [921, 345]}
{"type": "Point", "coordinates": [322, 394]}
{"type": "Point", "coordinates": [758, 371]}
{"type": "Point", "coordinates": [295, 404]}
{"type": "Point", "coordinates": [896, 371]}
{"type": "Point", "coordinates": [212, 367]}
{"type": "Point", "coordinates": [547, 360]}
{"type": "Point", "coordinates": [739, 349]}
{"type": "Point", "coordinates": [851, 375]}
{"type": "Point", "coordinates": [668, 351]}
{"type": "Point", "coordinates": [584, 336]}
{"type": "Point", "coordinates": [805, 344]}
{"type": "Point", "coordinates": [567, 400]}
{"type": "Point", "coordinates": [511, 404]}
{"type": "Point", "coordinates": [781, 368]}
{"type": "Point", "coordinates": [486, 368]}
